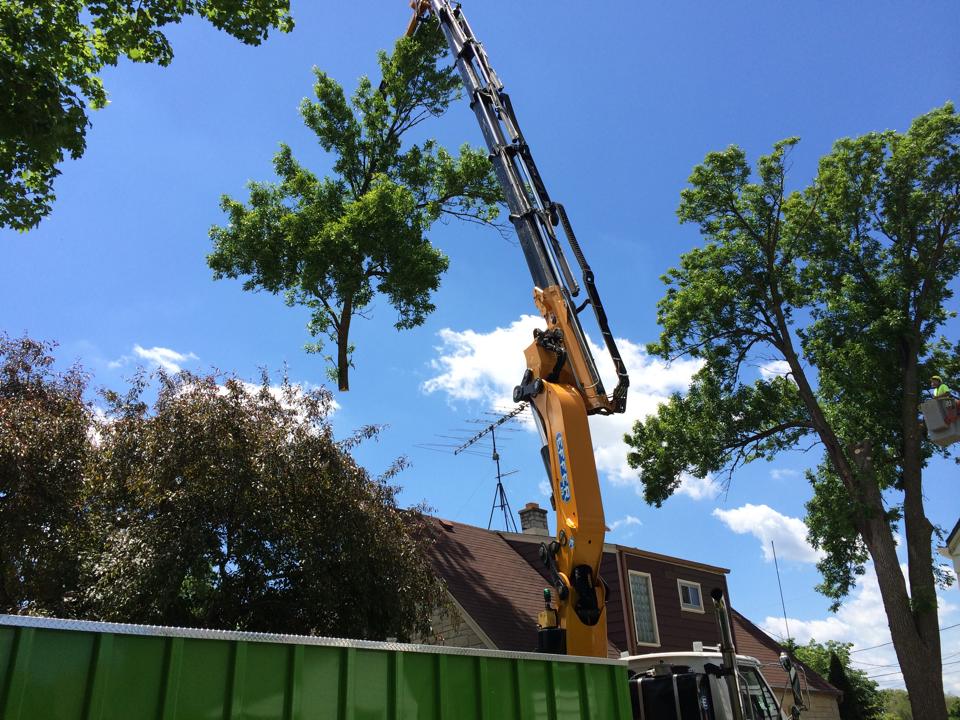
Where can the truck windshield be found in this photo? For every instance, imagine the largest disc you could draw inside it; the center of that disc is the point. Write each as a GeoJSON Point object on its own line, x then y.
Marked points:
{"type": "Point", "coordinates": [758, 702]}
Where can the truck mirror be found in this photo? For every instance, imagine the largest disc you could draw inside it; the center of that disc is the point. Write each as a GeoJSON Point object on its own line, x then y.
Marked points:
{"type": "Point", "coordinates": [791, 670]}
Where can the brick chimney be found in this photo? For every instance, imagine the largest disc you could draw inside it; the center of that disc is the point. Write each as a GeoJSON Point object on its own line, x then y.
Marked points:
{"type": "Point", "coordinates": [533, 520]}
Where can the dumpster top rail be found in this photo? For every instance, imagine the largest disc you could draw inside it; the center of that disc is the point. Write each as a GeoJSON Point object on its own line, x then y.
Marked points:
{"type": "Point", "coordinates": [237, 635]}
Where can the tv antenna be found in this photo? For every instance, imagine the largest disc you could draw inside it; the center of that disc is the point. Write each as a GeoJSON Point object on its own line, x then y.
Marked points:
{"type": "Point", "coordinates": [500, 501]}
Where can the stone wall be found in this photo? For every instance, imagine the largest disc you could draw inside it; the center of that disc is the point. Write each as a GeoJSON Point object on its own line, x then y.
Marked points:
{"type": "Point", "coordinates": [452, 630]}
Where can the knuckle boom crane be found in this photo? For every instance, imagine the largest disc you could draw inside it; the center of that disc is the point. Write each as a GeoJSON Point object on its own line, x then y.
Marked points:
{"type": "Point", "coordinates": [561, 382]}
{"type": "Point", "coordinates": [564, 387]}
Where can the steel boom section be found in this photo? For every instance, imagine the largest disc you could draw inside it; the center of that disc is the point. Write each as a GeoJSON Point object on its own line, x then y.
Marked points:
{"type": "Point", "coordinates": [562, 382]}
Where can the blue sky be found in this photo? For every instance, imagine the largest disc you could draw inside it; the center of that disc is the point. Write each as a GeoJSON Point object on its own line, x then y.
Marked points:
{"type": "Point", "coordinates": [618, 105]}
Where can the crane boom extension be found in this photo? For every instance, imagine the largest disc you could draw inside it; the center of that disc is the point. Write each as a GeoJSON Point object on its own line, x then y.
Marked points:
{"type": "Point", "coordinates": [561, 383]}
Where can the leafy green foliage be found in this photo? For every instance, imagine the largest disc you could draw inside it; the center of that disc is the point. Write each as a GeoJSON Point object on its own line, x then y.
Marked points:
{"type": "Point", "coordinates": [846, 284]}
{"type": "Point", "coordinates": [832, 522]}
{"type": "Point", "coordinates": [220, 504]}
{"type": "Point", "coordinates": [332, 244]}
{"type": "Point", "coordinates": [43, 452]}
{"type": "Point", "coordinates": [896, 705]}
{"type": "Point", "coordinates": [862, 699]}
{"type": "Point", "coordinates": [51, 55]}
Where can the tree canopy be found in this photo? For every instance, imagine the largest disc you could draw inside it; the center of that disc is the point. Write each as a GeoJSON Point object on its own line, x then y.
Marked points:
{"type": "Point", "coordinates": [845, 286]}
{"type": "Point", "coordinates": [332, 244]}
{"type": "Point", "coordinates": [221, 504]}
{"type": "Point", "coordinates": [51, 56]}
{"type": "Point", "coordinates": [43, 455]}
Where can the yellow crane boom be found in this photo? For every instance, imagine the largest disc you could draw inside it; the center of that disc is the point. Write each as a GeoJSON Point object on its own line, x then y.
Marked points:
{"type": "Point", "coordinates": [561, 383]}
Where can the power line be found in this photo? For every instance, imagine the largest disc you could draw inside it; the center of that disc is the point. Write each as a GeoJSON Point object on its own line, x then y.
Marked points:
{"type": "Point", "coordinates": [872, 647]}
{"type": "Point", "coordinates": [900, 672]}
{"type": "Point", "coordinates": [880, 665]}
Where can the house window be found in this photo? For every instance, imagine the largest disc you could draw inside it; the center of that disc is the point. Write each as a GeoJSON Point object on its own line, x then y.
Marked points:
{"type": "Point", "coordinates": [690, 596]}
{"type": "Point", "coordinates": [644, 611]}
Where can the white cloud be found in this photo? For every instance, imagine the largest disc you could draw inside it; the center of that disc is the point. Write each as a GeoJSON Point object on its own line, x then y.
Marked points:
{"type": "Point", "coordinates": [784, 474]}
{"type": "Point", "coordinates": [698, 488]}
{"type": "Point", "coordinates": [625, 522]}
{"type": "Point", "coordinates": [766, 524]}
{"type": "Point", "coordinates": [98, 421]}
{"type": "Point", "coordinates": [170, 360]}
{"type": "Point", "coordinates": [863, 622]}
{"type": "Point", "coordinates": [482, 366]}
{"type": "Point", "coordinates": [774, 368]}
{"type": "Point", "coordinates": [545, 489]}
{"type": "Point", "coordinates": [485, 367]}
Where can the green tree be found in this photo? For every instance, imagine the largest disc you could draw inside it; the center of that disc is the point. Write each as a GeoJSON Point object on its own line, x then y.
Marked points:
{"type": "Point", "coordinates": [233, 506]}
{"type": "Point", "coordinates": [332, 244]}
{"type": "Point", "coordinates": [220, 504]}
{"type": "Point", "coordinates": [846, 284]}
{"type": "Point", "coordinates": [896, 705]}
{"type": "Point", "coordinates": [51, 56]}
{"type": "Point", "coordinates": [43, 451]}
{"type": "Point", "coordinates": [861, 696]}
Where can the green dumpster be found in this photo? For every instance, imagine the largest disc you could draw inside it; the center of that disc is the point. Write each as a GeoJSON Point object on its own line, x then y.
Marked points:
{"type": "Point", "coordinates": [77, 670]}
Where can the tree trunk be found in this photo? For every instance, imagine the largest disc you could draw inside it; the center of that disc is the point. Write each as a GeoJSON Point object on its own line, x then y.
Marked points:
{"type": "Point", "coordinates": [912, 617]}
{"type": "Point", "coordinates": [927, 701]}
{"type": "Point", "coordinates": [919, 664]}
{"type": "Point", "coordinates": [343, 348]}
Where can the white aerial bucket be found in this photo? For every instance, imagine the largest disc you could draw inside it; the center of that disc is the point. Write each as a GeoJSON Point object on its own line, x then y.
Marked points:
{"type": "Point", "coordinates": [936, 414]}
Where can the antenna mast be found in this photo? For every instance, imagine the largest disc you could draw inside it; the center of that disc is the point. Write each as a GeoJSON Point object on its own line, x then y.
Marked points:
{"type": "Point", "coordinates": [500, 501]}
{"type": "Point", "coordinates": [780, 585]}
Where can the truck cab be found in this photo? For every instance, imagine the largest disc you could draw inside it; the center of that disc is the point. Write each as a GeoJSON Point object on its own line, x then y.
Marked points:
{"type": "Point", "coordinates": [690, 686]}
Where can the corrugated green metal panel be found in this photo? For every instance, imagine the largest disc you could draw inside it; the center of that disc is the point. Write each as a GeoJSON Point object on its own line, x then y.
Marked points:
{"type": "Point", "coordinates": [63, 670]}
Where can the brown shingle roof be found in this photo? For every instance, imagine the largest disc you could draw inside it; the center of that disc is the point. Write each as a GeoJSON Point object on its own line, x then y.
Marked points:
{"type": "Point", "coordinates": [753, 641]}
{"type": "Point", "coordinates": [497, 588]}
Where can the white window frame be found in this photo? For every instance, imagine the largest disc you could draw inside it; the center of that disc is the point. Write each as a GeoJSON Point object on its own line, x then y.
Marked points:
{"type": "Point", "coordinates": [653, 609]}
{"type": "Point", "coordinates": [686, 607]}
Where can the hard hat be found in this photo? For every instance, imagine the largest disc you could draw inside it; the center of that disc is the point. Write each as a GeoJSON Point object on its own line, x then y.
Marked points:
{"type": "Point", "coordinates": [937, 379]}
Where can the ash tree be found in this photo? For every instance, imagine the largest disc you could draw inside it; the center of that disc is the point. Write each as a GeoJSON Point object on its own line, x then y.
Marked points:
{"type": "Point", "coordinates": [334, 244]}
{"type": "Point", "coordinates": [51, 57]}
{"type": "Point", "coordinates": [847, 284]}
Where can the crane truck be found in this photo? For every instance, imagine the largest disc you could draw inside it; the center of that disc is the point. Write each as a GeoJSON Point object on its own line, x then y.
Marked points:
{"type": "Point", "coordinates": [563, 387]}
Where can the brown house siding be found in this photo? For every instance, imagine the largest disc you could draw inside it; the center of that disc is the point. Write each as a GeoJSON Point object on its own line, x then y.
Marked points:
{"type": "Point", "coordinates": [678, 629]}
{"type": "Point", "coordinates": [529, 550]}
{"type": "Point", "coordinates": [616, 628]}
{"type": "Point", "coordinates": [497, 581]}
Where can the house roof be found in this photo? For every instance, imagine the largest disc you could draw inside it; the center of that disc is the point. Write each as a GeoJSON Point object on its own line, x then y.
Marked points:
{"type": "Point", "coordinates": [494, 585]}
{"type": "Point", "coordinates": [503, 593]}
{"type": "Point", "coordinates": [612, 548]}
{"type": "Point", "coordinates": [953, 539]}
{"type": "Point", "coordinates": [751, 640]}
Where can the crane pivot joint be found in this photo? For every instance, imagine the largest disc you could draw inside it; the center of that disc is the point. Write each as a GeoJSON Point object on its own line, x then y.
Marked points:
{"type": "Point", "coordinates": [528, 388]}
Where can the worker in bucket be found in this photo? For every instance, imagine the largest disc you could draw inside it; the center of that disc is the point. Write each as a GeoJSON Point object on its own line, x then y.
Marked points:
{"type": "Point", "coordinates": [940, 388]}
{"type": "Point", "coordinates": [943, 394]}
